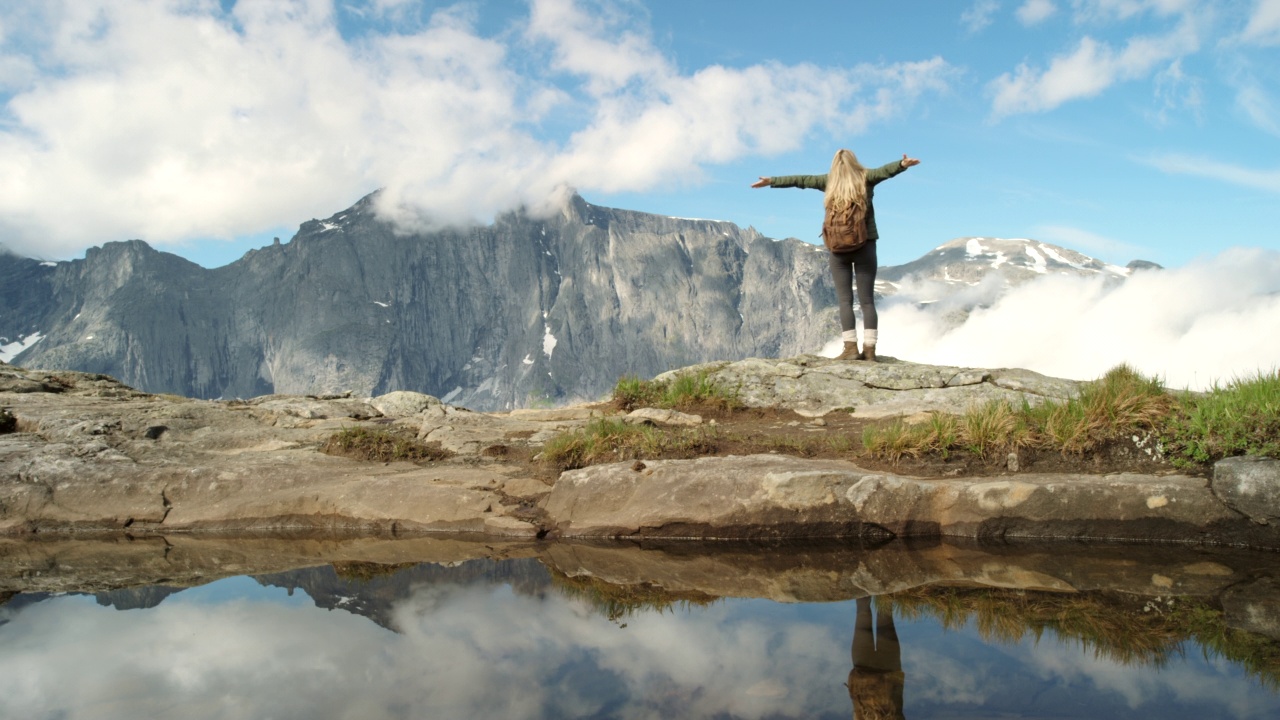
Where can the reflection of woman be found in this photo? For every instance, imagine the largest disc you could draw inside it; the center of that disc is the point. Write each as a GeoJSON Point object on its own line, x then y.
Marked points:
{"type": "Point", "coordinates": [875, 683]}
{"type": "Point", "coordinates": [849, 187]}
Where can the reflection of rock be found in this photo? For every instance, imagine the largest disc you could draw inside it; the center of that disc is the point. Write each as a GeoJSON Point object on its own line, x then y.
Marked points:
{"type": "Point", "coordinates": [136, 598]}
{"type": "Point", "coordinates": [102, 565]}
{"type": "Point", "coordinates": [372, 590]}
{"type": "Point", "coordinates": [839, 571]}
{"type": "Point", "coordinates": [1254, 606]}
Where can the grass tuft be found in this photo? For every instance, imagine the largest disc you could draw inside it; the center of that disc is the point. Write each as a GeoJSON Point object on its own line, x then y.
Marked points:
{"type": "Point", "coordinates": [1120, 403]}
{"type": "Point", "coordinates": [609, 440]}
{"type": "Point", "coordinates": [686, 392]}
{"type": "Point", "coordinates": [1240, 418]}
{"type": "Point", "coordinates": [381, 445]}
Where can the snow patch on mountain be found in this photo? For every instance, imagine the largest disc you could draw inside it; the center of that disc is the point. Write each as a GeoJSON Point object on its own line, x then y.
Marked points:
{"type": "Point", "coordinates": [10, 350]}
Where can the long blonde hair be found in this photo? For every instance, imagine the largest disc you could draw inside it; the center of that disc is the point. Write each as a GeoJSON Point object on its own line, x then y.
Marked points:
{"type": "Point", "coordinates": [846, 186]}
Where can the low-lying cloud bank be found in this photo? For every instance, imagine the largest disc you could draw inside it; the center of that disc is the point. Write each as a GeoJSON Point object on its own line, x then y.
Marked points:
{"type": "Point", "coordinates": [189, 119]}
{"type": "Point", "coordinates": [1212, 321]}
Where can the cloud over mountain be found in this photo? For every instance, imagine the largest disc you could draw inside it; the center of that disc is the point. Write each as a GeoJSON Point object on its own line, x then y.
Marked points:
{"type": "Point", "coordinates": [176, 120]}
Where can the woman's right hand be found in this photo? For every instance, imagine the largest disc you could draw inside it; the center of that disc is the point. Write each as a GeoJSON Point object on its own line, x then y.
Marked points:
{"type": "Point", "coordinates": [762, 182]}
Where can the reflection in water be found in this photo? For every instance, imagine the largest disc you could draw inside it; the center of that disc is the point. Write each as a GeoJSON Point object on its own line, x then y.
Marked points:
{"type": "Point", "coordinates": [876, 680]}
{"type": "Point", "coordinates": [512, 639]}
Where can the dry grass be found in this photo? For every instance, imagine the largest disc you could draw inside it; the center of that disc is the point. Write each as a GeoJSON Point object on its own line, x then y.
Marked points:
{"type": "Point", "coordinates": [381, 445]}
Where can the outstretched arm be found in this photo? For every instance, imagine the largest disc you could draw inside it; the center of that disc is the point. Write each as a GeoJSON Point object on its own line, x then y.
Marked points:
{"type": "Point", "coordinates": [762, 182]}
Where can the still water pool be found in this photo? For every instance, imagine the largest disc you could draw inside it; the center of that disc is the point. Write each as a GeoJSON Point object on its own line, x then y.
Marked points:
{"type": "Point", "coordinates": [596, 632]}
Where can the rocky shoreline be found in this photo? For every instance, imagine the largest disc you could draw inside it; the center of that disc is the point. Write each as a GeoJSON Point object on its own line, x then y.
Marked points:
{"type": "Point", "coordinates": [90, 456]}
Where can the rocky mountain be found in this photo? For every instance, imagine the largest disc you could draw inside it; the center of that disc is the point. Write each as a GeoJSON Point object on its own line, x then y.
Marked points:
{"type": "Point", "coordinates": [525, 311]}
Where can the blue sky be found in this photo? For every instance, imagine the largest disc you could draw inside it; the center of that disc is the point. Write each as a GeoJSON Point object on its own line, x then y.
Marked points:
{"type": "Point", "coordinates": [1121, 128]}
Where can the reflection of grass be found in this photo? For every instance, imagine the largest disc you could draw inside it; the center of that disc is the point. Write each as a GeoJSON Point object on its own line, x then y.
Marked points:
{"type": "Point", "coordinates": [619, 601]}
{"type": "Point", "coordinates": [1132, 631]}
{"type": "Point", "coordinates": [365, 571]}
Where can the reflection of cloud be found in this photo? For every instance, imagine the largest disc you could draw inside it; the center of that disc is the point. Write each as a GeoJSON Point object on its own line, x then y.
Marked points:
{"type": "Point", "coordinates": [1215, 682]}
{"type": "Point", "coordinates": [487, 652]}
{"type": "Point", "coordinates": [1190, 325]}
{"type": "Point", "coordinates": [1036, 676]}
{"type": "Point", "coordinates": [463, 652]}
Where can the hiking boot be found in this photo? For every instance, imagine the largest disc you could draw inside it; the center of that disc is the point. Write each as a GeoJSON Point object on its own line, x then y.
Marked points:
{"type": "Point", "coordinates": [868, 353]}
{"type": "Point", "coordinates": [850, 351]}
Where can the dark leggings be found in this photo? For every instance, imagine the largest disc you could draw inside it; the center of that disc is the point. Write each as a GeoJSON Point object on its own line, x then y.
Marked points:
{"type": "Point", "coordinates": [845, 267]}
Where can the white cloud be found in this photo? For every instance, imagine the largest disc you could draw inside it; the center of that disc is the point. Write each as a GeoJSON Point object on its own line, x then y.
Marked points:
{"type": "Point", "coordinates": [1085, 72]}
{"type": "Point", "coordinates": [1263, 27]}
{"type": "Point", "coordinates": [1191, 326]}
{"type": "Point", "coordinates": [1259, 107]}
{"type": "Point", "coordinates": [979, 15]}
{"type": "Point", "coordinates": [175, 120]}
{"type": "Point", "coordinates": [1178, 164]}
{"type": "Point", "coordinates": [1034, 12]}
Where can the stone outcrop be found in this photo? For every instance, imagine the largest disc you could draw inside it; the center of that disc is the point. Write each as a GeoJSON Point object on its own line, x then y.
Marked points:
{"type": "Point", "coordinates": [767, 496]}
{"type": "Point", "coordinates": [813, 385]}
{"type": "Point", "coordinates": [92, 455]}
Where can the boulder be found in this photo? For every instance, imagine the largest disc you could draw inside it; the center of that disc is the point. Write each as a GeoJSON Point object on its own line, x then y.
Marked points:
{"type": "Point", "coordinates": [776, 496]}
{"type": "Point", "coordinates": [1251, 485]}
{"type": "Point", "coordinates": [403, 403]}
{"type": "Point", "coordinates": [813, 385]}
{"type": "Point", "coordinates": [662, 416]}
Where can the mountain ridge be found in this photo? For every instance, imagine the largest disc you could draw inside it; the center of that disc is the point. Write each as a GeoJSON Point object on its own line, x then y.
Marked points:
{"type": "Point", "coordinates": [529, 310]}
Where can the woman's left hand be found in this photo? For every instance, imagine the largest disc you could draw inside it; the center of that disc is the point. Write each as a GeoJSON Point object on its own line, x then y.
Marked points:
{"type": "Point", "coordinates": [908, 162]}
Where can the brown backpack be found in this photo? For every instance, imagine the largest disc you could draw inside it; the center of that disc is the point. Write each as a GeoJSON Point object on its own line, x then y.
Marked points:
{"type": "Point", "coordinates": [845, 231]}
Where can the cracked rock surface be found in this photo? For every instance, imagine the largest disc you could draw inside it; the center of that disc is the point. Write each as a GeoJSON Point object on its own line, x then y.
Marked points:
{"type": "Point", "coordinates": [83, 453]}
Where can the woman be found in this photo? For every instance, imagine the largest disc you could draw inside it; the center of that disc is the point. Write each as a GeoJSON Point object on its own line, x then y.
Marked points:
{"type": "Point", "coordinates": [849, 187]}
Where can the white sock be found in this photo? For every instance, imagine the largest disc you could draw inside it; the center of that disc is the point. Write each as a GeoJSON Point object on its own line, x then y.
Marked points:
{"type": "Point", "coordinates": [869, 337]}
{"type": "Point", "coordinates": [849, 336]}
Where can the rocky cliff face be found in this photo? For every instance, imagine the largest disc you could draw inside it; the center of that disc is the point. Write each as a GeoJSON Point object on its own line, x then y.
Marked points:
{"type": "Point", "coordinates": [525, 311]}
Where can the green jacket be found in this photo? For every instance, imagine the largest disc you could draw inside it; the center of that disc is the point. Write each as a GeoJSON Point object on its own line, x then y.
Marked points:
{"type": "Point", "coordinates": [819, 182]}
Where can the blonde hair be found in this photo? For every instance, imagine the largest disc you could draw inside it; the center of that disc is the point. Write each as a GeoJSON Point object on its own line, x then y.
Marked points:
{"type": "Point", "coordinates": [846, 186]}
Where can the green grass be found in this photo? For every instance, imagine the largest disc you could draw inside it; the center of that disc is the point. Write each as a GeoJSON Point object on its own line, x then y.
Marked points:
{"type": "Point", "coordinates": [380, 445]}
{"type": "Point", "coordinates": [611, 439]}
{"type": "Point", "coordinates": [686, 392]}
{"type": "Point", "coordinates": [1240, 418]}
{"type": "Point", "coordinates": [1121, 403]}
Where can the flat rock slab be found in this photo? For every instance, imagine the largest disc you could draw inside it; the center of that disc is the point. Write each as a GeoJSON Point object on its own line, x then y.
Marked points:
{"type": "Point", "coordinates": [772, 496]}
{"type": "Point", "coordinates": [816, 385]}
